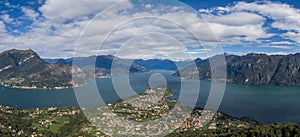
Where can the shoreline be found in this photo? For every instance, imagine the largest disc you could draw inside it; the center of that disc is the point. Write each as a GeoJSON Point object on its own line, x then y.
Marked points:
{"type": "Point", "coordinates": [33, 88]}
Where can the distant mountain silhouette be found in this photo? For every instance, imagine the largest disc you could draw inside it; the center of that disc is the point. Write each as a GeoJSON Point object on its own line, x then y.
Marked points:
{"type": "Point", "coordinates": [155, 64]}
{"type": "Point", "coordinates": [105, 62]}
{"type": "Point", "coordinates": [101, 65]}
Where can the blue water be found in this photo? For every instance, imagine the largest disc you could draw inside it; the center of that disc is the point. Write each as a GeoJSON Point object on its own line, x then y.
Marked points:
{"type": "Point", "coordinates": [265, 103]}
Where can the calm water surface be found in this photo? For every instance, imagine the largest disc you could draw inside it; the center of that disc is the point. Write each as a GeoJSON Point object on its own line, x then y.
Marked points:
{"type": "Point", "coordinates": [267, 104]}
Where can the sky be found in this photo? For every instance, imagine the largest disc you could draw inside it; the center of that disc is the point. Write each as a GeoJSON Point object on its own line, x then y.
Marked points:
{"type": "Point", "coordinates": [150, 28]}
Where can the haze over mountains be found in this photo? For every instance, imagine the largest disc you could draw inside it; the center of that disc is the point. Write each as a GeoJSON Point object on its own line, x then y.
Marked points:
{"type": "Point", "coordinates": [105, 61]}
{"type": "Point", "coordinates": [100, 66]}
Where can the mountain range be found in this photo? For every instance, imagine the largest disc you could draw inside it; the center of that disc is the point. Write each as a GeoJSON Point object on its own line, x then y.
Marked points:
{"type": "Point", "coordinates": [105, 61]}
{"type": "Point", "coordinates": [25, 69]}
{"type": "Point", "coordinates": [252, 69]}
{"type": "Point", "coordinates": [101, 66]}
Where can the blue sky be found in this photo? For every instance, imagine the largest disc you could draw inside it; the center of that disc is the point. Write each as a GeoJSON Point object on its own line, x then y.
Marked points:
{"type": "Point", "coordinates": [200, 4]}
{"type": "Point", "coordinates": [52, 27]}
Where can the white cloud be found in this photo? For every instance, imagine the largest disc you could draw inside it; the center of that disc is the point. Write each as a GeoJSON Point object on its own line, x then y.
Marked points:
{"type": "Point", "coordinates": [274, 53]}
{"type": "Point", "coordinates": [6, 18]}
{"type": "Point", "coordinates": [29, 13]}
{"type": "Point", "coordinates": [7, 4]}
{"type": "Point", "coordinates": [148, 6]}
{"type": "Point", "coordinates": [235, 27]}
{"type": "Point", "coordinates": [293, 36]}
{"type": "Point", "coordinates": [236, 19]}
{"type": "Point", "coordinates": [277, 47]}
{"type": "Point", "coordinates": [285, 16]}
{"type": "Point", "coordinates": [282, 43]}
{"type": "Point", "coordinates": [63, 10]}
{"type": "Point", "coordinates": [245, 32]}
{"type": "Point", "coordinates": [53, 36]}
{"type": "Point", "coordinates": [2, 27]}
{"type": "Point", "coordinates": [276, 11]}
{"type": "Point", "coordinates": [233, 21]}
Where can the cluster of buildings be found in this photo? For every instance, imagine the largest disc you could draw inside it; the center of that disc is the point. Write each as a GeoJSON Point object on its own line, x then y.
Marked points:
{"type": "Point", "coordinates": [199, 119]}
{"type": "Point", "coordinates": [150, 114]}
{"type": "Point", "coordinates": [6, 109]}
{"type": "Point", "coordinates": [208, 119]}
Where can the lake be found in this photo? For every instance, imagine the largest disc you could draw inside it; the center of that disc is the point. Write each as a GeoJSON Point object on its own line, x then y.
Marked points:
{"type": "Point", "coordinates": [265, 103]}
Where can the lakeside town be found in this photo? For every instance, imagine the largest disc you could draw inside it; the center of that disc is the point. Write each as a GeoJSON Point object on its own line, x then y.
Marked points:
{"type": "Point", "coordinates": [153, 113]}
{"type": "Point", "coordinates": [161, 117]}
{"type": "Point", "coordinates": [72, 121]}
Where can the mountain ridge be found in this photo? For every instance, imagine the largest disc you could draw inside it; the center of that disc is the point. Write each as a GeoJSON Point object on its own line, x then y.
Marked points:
{"type": "Point", "coordinates": [18, 66]}
{"type": "Point", "coordinates": [149, 64]}
{"type": "Point", "coordinates": [100, 66]}
{"type": "Point", "coordinates": [253, 68]}
{"type": "Point", "coordinates": [25, 69]}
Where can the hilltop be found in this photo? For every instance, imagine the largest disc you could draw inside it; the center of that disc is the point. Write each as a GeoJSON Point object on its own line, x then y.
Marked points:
{"type": "Point", "coordinates": [25, 69]}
